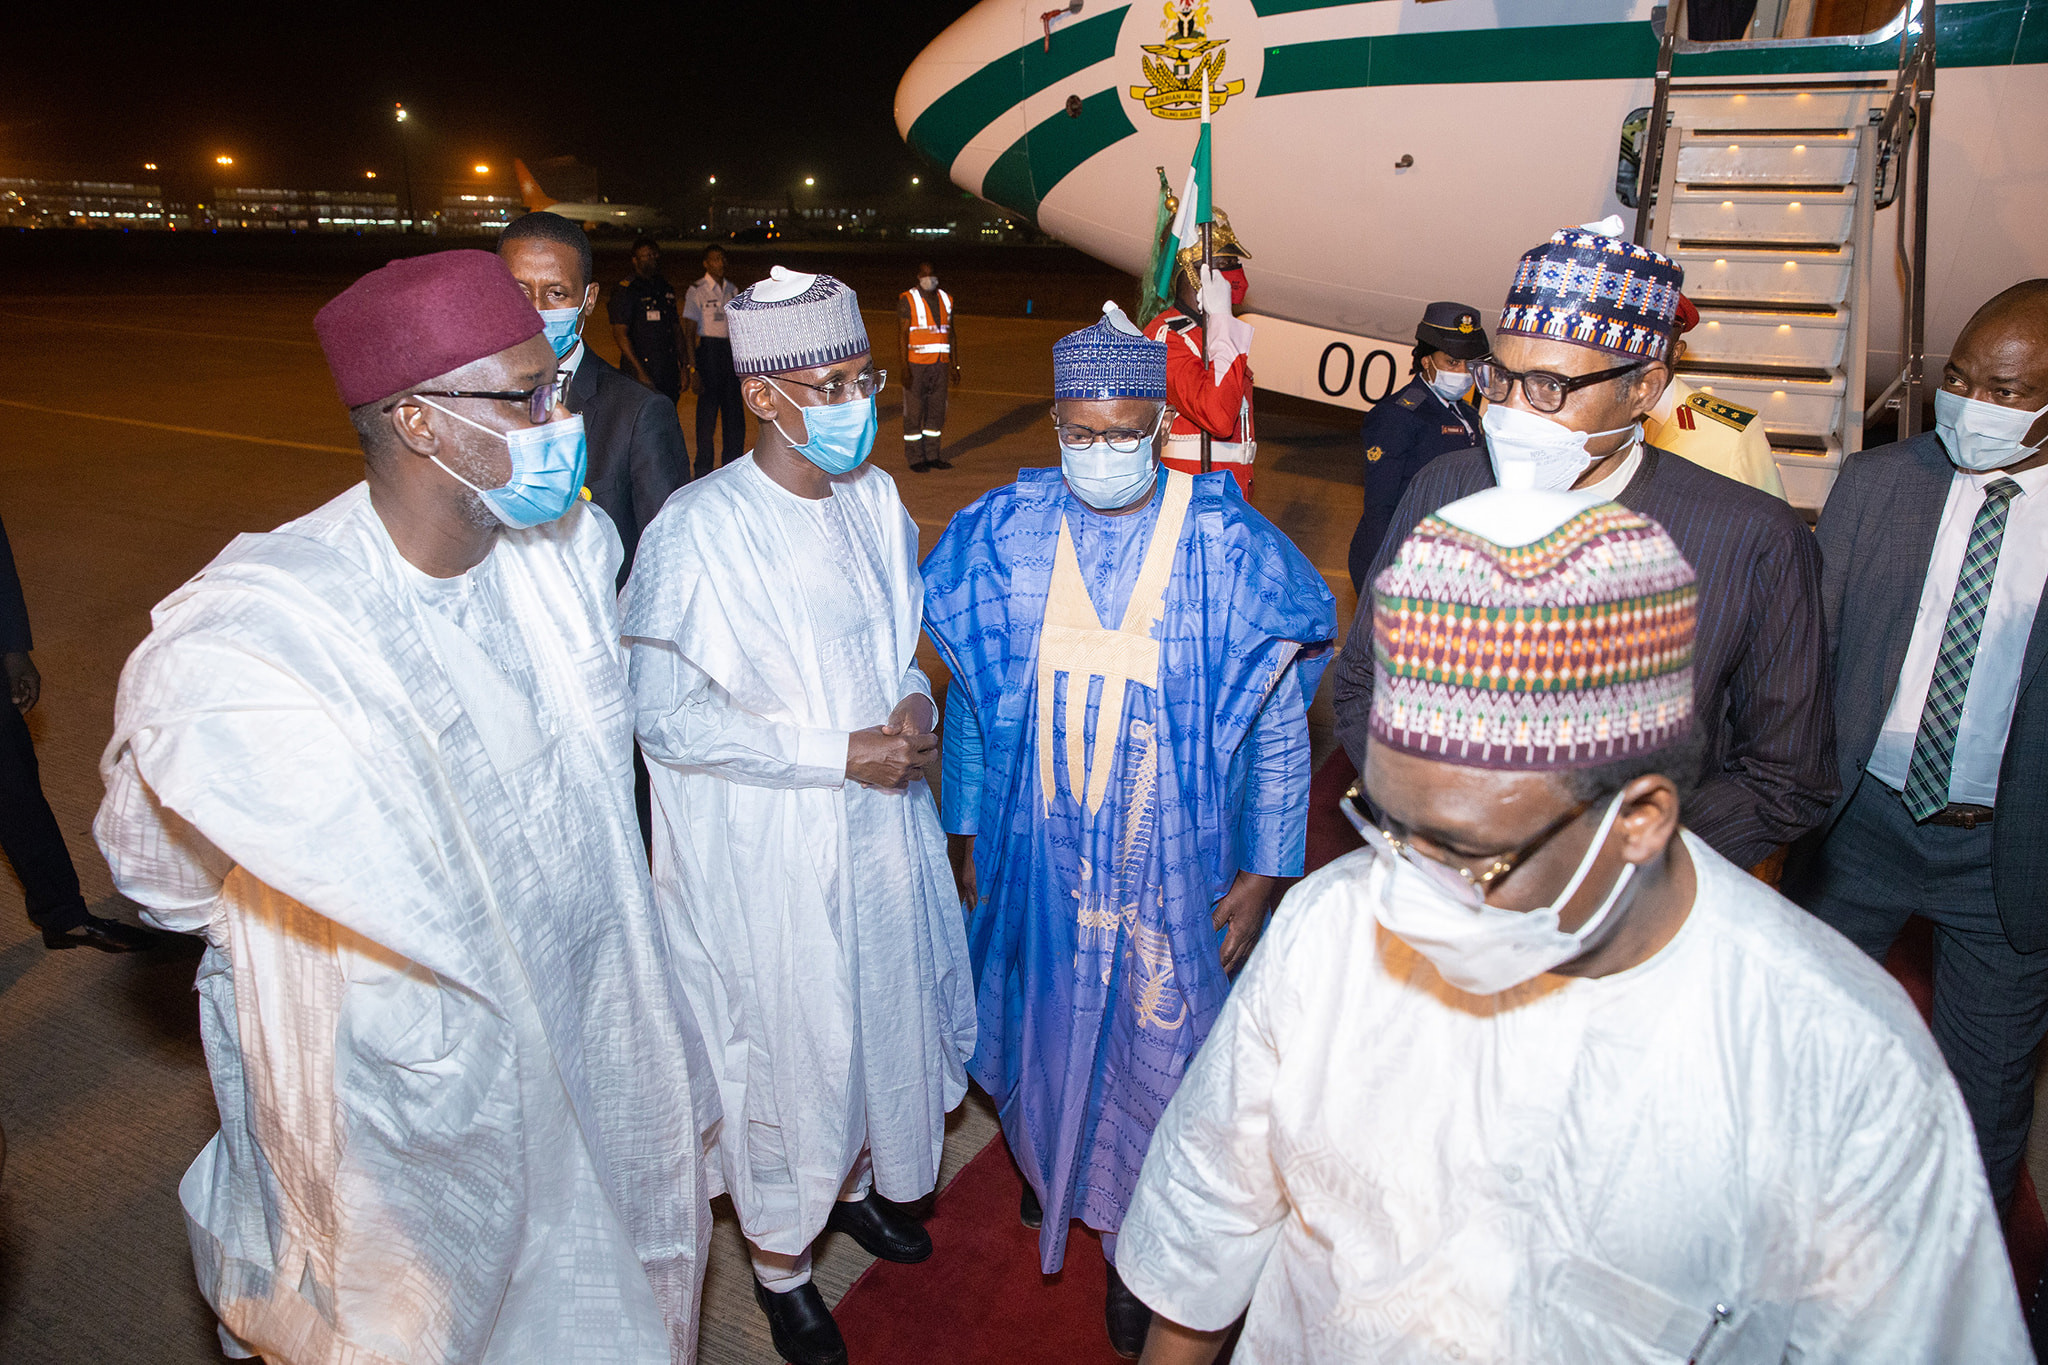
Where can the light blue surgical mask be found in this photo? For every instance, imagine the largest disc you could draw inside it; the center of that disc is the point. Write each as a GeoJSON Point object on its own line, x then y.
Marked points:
{"type": "Point", "coordinates": [841, 434]}
{"type": "Point", "coordinates": [560, 326]}
{"type": "Point", "coordinates": [1450, 385]}
{"type": "Point", "coordinates": [1108, 480]}
{"type": "Point", "coordinates": [548, 464]}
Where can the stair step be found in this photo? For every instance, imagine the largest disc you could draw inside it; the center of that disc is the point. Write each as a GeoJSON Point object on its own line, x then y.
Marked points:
{"type": "Point", "coordinates": [1735, 108]}
{"type": "Point", "coordinates": [1760, 216]}
{"type": "Point", "coordinates": [1780, 160]}
{"type": "Point", "coordinates": [1808, 477]}
{"type": "Point", "coordinates": [1803, 340]}
{"type": "Point", "coordinates": [1808, 408]}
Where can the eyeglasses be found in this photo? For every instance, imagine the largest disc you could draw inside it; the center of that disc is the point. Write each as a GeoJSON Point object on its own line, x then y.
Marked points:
{"type": "Point", "coordinates": [866, 384]}
{"type": "Point", "coordinates": [1545, 390]}
{"type": "Point", "coordinates": [1123, 440]}
{"type": "Point", "coordinates": [539, 400]}
{"type": "Point", "coordinates": [1458, 879]}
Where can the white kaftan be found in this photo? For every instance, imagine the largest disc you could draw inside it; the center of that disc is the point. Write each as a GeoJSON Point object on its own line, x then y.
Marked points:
{"type": "Point", "coordinates": [1388, 1170]}
{"type": "Point", "coordinates": [818, 930]}
{"type": "Point", "coordinates": [458, 1120]}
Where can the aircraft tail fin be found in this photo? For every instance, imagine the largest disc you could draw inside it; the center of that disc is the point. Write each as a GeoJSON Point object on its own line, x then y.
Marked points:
{"type": "Point", "coordinates": [529, 188]}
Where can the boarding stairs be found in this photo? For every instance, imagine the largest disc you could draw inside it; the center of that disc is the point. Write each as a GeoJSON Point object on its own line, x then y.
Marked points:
{"type": "Point", "coordinates": [1766, 193]}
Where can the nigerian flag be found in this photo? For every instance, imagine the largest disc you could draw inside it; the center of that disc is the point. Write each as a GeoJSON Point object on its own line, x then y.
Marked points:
{"type": "Point", "coordinates": [1194, 205]}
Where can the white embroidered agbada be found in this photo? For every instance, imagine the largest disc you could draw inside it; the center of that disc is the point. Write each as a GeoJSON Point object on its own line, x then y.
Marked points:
{"type": "Point", "coordinates": [458, 1120]}
{"type": "Point", "coordinates": [818, 930]}
{"type": "Point", "coordinates": [1388, 1170]}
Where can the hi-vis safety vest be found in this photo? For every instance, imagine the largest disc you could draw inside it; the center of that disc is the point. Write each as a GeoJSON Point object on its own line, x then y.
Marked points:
{"type": "Point", "coordinates": [931, 341]}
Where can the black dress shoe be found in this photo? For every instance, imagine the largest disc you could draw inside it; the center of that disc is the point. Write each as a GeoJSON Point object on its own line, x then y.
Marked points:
{"type": "Point", "coordinates": [881, 1229]}
{"type": "Point", "coordinates": [801, 1325]}
{"type": "Point", "coordinates": [107, 935]}
{"type": "Point", "coordinates": [1127, 1318]}
{"type": "Point", "coordinates": [919, 468]}
{"type": "Point", "coordinates": [1029, 1212]}
{"type": "Point", "coordinates": [941, 464]}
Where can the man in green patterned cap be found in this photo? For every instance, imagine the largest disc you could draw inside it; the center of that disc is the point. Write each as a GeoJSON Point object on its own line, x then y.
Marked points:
{"type": "Point", "coordinates": [1538, 1075]}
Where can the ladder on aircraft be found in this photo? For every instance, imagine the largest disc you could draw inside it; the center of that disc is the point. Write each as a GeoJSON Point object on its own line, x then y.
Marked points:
{"type": "Point", "coordinates": [1767, 190]}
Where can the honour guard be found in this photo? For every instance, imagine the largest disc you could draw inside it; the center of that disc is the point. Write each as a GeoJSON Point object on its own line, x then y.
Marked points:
{"type": "Point", "coordinates": [1711, 432]}
{"type": "Point", "coordinates": [1209, 377]}
{"type": "Point", "coordinates": [1433, 415]}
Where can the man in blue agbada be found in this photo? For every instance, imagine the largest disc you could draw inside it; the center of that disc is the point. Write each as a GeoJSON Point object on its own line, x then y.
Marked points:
{"type": "Point", "coordinates": [1126, 774]}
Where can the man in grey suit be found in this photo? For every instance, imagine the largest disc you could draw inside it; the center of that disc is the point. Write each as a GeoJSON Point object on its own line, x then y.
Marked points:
{"type": "Point", "coordinates": [1934, 553]}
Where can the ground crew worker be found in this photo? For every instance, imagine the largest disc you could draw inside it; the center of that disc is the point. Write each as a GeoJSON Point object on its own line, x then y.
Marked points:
{"type": "Point", "coordinates": [924, 324]}
{"type": "Point", "coordinates": [1209, 378]}
{"type": "Point", "coordinates": [1710, 431]}
{"type": "Point", "coordinates": [1431, 416]}
{"type": "Point", "coordinates": [647, 324]}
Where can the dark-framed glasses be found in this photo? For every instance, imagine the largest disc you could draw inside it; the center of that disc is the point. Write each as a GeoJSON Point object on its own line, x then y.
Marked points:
{"type": "Point", "coordinates": [1123, 440]}
{"type": "Point", "coordinates": [539, 400]}
{"type": "Point", "coordinates": [1463, 881]}
{"type": "Point", "coordinates": [866, 384]}
{"type": "Point", "coordinates": [1545, 390]}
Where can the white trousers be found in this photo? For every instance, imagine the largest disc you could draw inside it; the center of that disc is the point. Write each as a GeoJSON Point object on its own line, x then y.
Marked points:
{"type": "Point", "coordinates": [779, 1274]}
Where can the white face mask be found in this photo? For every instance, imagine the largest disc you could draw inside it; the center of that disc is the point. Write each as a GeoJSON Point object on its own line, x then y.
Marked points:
{"type": "Point", "coordinates": [1530, 450]}
{"type": "Point", "coordinates": [928, 282]}
{"type": "Point", "coordinates": [1983, 436]}
{"type": "Point", "coordinates": [1451, 385]}
{"type": "Point", "coordinates": [1479, 948]}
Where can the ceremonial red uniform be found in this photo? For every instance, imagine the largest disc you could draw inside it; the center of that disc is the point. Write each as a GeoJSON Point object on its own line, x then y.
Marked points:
{"type": "Point", "coordinates": [1222, 410]}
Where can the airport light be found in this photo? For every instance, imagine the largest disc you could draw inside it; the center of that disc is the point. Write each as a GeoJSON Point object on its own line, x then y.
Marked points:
{"type": "Point", "coordinates": [149, 165]}
{"type": "Point", "coordinates": [481, 168]}
{"type": "Point", "coordinates": [714, 180]}
{"type": "Point", "coordinates": [810, 180]}
{"type": "Point", "coordinates": [401, 113]}
{"type": "Point", "coordinates": [915, 180]}
{"type": "Point", "coordinates": [223, 161]}
{"type": "Point", "coordinates": [369, 175]}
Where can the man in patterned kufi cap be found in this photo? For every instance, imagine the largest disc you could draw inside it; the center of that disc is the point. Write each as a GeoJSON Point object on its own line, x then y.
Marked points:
{"type": "Point", "coordinates": [1155, 611]}
{"type": "Point", "coordinates": [1579, 356]}
{"type": "Point", "coordinates": [771, 624]}
{"type": "Point", "coordinates": [1538, 1075]}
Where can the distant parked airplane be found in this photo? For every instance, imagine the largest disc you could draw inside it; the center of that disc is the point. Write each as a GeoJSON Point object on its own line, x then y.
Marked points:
{"type": "Point", "coordinates": [593, 215]}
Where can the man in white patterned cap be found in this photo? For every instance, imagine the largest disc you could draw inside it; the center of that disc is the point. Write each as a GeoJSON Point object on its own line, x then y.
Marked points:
{"type": "Point", "coordinates": [771, 623]}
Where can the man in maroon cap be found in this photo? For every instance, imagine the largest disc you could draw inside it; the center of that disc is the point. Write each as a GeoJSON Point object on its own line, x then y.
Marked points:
{"type": "Point", "coordinates": [381, 759]}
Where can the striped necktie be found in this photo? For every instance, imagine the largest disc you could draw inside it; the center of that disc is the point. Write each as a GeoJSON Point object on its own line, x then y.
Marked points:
{"type": "Point", "coordinates": [1934, 748]}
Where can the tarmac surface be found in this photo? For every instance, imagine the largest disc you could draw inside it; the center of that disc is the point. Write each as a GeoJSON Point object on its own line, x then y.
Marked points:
{"type": "Point", "coordinates": [156, 399]}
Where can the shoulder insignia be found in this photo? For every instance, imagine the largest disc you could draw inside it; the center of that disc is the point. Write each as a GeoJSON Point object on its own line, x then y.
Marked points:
{"type": "Point", "coordinates": [1410, 401]}
{"type": "Point", "coordinates": [1373, 454]}
{"type": "Point", "coordinates": [1721, 410]}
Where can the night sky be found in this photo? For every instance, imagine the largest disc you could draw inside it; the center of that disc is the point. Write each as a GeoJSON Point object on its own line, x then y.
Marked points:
{"type": "Point", "coordinates": [652, 97]}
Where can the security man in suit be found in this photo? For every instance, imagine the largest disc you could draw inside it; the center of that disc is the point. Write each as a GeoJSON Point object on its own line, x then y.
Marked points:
{"type": "Point", "coordinates": [636, 452]}
{"type": "Point", "coordinates": [1432, 415]}
{"type": "Point", "coordinates": [1708, 429]}
{"type": "Point", "coordinates": [29, 834]}
{"type": "Point", "coordinates": [648, 324]}
{"type": "Point", "coordinates": [633, 442]}
{"type": "Point", "coordinates": [1934, 555]}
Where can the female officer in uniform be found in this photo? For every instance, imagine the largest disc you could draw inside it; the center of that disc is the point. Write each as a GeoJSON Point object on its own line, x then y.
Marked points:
{"type": "Point", "coordinates": [1433, 415]}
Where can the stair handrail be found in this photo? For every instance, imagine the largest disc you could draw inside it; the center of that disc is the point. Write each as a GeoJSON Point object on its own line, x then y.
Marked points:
{"type": "Point", "coordinates": [1910, 116]}
{"type": "Point", "coordinates": [1650, 164]}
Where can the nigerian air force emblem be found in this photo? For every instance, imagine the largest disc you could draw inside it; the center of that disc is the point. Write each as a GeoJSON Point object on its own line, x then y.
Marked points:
{"type": "Point", "coordinates": [1178, 65]}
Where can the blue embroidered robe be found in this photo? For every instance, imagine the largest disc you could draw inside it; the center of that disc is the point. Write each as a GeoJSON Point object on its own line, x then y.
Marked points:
{"type": "Point", "coordinates": [1096, 964]}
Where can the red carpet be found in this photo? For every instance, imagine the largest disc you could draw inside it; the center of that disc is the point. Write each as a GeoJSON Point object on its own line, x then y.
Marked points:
{"type": "Point", "coordinates": [980, 1299]}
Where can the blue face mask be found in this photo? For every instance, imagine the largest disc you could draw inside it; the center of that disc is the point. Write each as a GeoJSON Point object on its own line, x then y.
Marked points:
{"type": "Point", "coordinates": [1109, 480]}
{"type": "Point", "coordinates": [841, 434]}
{"type": "Point", "coordinates": [548, 464]}
{"type": "Point", "coordinates": [559, 325]}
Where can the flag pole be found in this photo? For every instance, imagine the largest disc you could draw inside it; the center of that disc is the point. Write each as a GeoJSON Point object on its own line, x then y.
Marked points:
{"type": "Point", "coordinates": [1208, 253]}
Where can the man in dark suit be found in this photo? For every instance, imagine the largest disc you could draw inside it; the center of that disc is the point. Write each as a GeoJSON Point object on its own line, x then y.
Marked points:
{"type": "Point", "coordinates": [28, 830]}
{"type": "Point", "coordinates": [637, 456]}
{"type": "Point", "coordinates": [1566, 415]}
{"type": "Point", "coordinates": [1935, 552]}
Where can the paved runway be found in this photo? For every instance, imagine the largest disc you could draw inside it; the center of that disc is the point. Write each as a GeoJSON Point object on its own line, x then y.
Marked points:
{"type": "Point", "coordinates": [145, 420]}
